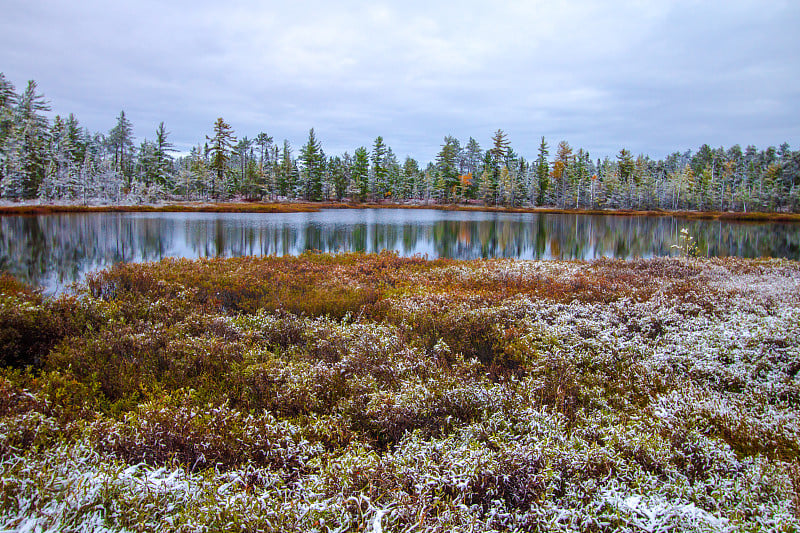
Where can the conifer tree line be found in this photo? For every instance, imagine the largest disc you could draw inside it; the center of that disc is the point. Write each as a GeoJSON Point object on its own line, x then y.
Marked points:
{"type": "Point", "coordinates": [58, 160]}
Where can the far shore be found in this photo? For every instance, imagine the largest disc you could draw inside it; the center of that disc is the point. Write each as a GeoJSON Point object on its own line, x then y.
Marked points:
{"type": "Point", "coordinates": [242, 206]}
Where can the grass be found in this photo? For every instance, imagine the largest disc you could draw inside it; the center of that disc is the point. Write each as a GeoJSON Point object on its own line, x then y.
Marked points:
{"type": "Point", "coordinates": [372, 392]}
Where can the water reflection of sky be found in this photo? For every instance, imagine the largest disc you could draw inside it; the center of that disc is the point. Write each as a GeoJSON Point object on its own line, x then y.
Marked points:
{"type": "Point", "coordinates": [55, 250]}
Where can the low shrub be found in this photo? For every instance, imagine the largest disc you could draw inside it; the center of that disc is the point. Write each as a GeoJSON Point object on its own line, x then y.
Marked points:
{"type": "Point", "coordinates": [357, 392]}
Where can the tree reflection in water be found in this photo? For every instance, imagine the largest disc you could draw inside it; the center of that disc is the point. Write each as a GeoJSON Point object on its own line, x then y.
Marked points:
{"type": "Point", "coordinates": [55, 250]}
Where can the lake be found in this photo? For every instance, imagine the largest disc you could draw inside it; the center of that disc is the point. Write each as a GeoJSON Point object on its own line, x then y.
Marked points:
{"type": "Point", "coordinates": [53, 251]}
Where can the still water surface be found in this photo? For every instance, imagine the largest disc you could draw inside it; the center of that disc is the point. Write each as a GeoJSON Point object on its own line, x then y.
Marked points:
{"type": "Point", "coordinates": [55, 250]}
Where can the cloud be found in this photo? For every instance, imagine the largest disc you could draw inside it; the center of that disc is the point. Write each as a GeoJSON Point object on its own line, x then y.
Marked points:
{"type": "Point", "coordinates": [650, 76]}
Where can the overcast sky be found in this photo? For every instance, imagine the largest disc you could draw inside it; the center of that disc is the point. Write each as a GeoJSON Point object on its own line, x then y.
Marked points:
{"type": "Point", "coordinates": [653, 77]}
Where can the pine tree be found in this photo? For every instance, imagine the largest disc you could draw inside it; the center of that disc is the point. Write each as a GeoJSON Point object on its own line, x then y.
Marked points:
{"type": "Point", "coordinates": [31, 138]}
{"type": "Point", "coordinates": [446, 166]}
{"type": "Point", "coordinates": [411, 177]}
{"type": "Point", "coordinates": [499, 150]}
{"type": "Point", "coordinates": [380, 173]}
{"type": "Point", "coordinates": [266, 164]}
{"type": "Point", "coordinates": [284, 170]}
{"type": "Point", "coordinates": [221, 145]}
{"type": "Point", "coordinates": [472, 161]}
{"type": "Point", "coordinates": [8, 105]}
{"type": "Point", "coordinates": [393, 174]}
{"type": "Point", "coordinates": [485, 189]}
{"type": "Point", "coordinates": [313, 161]}
{"type": "Point", "coordinates": [625, 167]}
{"type": "Point", "coordinates": [360, 175]}
{"type": "Point", "coordinates": [147, 170]}
{"type": "Point", "coordinates": [120, 143]}
{"type": "Point", "coordinates": [339, 169]}
{"type": "Point", "coordinates": [542, 172]}
{"type": "Point", "coordinates": [163, 161]}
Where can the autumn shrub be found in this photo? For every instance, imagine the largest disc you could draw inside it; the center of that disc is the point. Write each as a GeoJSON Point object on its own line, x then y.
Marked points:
{"type": "Point", "coordinates": [358, 392]}
{"type": "Point", "coordinates": [313, 284]}
{"type": "Point", "coordinates": [433, 407]}
{"type": "Point", "coordinates": [31, 325]}
{"type": "Point", "coordinates": [15, 399]}
{"type": "Point", "coordinates": [180, 426]}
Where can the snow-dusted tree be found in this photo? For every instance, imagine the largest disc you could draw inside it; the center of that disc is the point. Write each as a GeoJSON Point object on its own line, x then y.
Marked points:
{"type": "Point", "coordinates": [108, 183]}
{"type": "Point", "coordinates": [8, 105]}
{"type": "Point", "coordinates": [194, 178]}
{"type": "Point", "coordinates": [61, 180]}
{"type": "Point", "coordinates": [242, 181]}
{"type": "Point", "coordinates": [221, 145]}
{"type": "Point", "coordinates": [120, 144]}
{"type": "Point", "coordinates": [26, 152]}
{"type": "Point", "coordinates": [146, 165]}
{"type": "Point", "coordinates": [163, 160]}
{"type": "Point", "coordinates": [411, 178]}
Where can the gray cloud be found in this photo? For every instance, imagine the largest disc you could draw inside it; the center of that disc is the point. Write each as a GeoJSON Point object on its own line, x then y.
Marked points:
{"type": "Point", "coordinates": [653, 77]}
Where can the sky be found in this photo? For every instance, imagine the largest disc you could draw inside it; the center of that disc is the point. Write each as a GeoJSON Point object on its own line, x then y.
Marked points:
{"type": "Point", "coordinates": [654, 77]}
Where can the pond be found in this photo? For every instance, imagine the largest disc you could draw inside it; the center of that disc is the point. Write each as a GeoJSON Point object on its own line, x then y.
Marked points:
{"type": "Point", "coordinates": [53, 251]}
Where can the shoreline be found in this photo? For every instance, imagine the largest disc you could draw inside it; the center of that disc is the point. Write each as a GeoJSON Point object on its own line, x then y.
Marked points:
{"type": "Point", "coordinates": [307, 207]}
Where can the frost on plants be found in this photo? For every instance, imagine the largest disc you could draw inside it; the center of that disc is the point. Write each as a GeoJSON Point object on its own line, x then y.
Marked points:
{"type": "Point", "coordinates": [376, 393]}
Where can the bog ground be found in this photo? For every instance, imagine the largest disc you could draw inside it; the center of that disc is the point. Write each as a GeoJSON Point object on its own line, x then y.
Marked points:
{"type": "Point", "coordinates": [372, 392]}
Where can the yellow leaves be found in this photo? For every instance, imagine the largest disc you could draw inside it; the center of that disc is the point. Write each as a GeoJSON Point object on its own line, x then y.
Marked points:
{"type": "Point", "coordinates": [558, 170]}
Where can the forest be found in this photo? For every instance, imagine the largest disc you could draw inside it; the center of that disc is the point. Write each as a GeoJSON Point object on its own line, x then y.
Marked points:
{"type": "Point", "coordinates": [58, 160]}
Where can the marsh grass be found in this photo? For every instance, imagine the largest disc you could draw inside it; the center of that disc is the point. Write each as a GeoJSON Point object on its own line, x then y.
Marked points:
{"type": "Point", "coordinates": [331, 393]}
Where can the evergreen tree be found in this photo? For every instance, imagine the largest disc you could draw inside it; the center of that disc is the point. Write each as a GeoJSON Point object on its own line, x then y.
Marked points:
{"type": "Point", "coordinates": [339, 169]}
{"type": "Point", "coordinates": [625, 167]}
{"type": "Point", "coordinates": [380, 173]}
{"type": "Point", "coordinates": [120, 143]}
{"type": "Point", "coordinates": [542, 172]}
{"type": "Point", "coordinates": [560, 172]}
{"type": "Point", "coordinates": [485, 190]}
{"type": "Point", "coordinates": [446, 166]}
{"type": "Point", "coordinates": [24, 148]}
{"type": "Point", "coordinates": [34, 133]}
{"type": "Point", "coordinates": [473, 156]}
{"type": "Point", "coordinates": [266, 164]}
{"type": "Point", "coordinates": [161, 154]}
{"type": "Point", "coordinates": [78, 138]}
{"type": "Point", "coordinates": [8, 105]}
{"type": "Point", "coordinates": [393, 174]}
{"type": "Point", "coordinates": [411, 177]}
{"type": "Point", "coordinates": [147, 169]}
{"type": "Point", "coordinates": [313, 161]}
{"type": "Point", "coordinates": [242, 182]}
{"type": "Point", "coordinates": [360, 174]}
{"type": "Point", "coordinates": [221, 145]}
{"type": "Point", "coordinates": [286, 177]}
{"type": "Point", "coordinates": [499, 150]}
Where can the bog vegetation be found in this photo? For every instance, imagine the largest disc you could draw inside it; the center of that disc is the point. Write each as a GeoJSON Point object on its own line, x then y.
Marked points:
{"type": "Point", "coordinates": [64, 162]}
{"type": "Point", "coordinates": [372, 392]}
